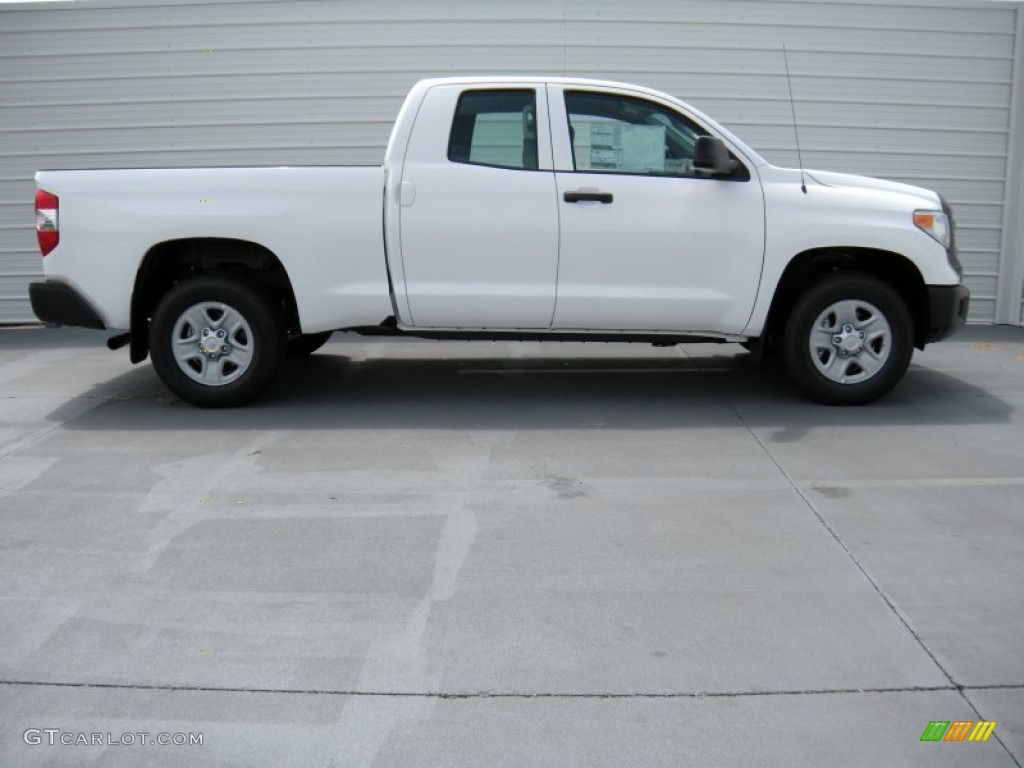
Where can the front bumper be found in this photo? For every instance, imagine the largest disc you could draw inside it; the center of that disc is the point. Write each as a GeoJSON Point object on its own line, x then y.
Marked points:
{"type": "Point", "coordinates": [947, 310]}
{"type": "Point", "coordinates": [61, 304]}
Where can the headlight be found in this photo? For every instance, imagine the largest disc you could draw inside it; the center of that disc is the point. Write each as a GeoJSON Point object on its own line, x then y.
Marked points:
{"type": "Point", "coordinates": [935, 224]}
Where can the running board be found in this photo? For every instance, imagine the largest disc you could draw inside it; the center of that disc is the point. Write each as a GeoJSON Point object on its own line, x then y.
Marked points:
{"type": "Point", "coordinates": [390, 328]}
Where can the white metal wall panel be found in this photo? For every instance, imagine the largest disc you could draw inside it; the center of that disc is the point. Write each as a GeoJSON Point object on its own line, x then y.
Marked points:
{"type": "Point", "coordinates": [1010, 301]}
{"type": "Point", "coordinates": [915, 91]}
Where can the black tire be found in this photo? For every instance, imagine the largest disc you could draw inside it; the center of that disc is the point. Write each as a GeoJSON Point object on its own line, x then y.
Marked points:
{"type": "Point", "coordinates": [253, 333]}
{"type": "Point", "coordinates": [832, 317]}
{"type": "Point", "coordinates": [306, 344]}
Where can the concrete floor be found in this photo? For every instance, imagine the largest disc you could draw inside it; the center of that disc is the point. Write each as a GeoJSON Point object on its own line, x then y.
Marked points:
{"type": "Point", "coordinates": [425, 554]}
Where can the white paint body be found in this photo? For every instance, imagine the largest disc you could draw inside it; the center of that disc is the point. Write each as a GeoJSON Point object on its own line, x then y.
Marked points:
{"type": "Point", "coordinates": [479, 248]}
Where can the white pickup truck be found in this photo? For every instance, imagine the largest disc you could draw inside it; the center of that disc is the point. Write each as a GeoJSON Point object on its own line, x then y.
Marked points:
{"type": "Point", "coordinates": [506, 208]}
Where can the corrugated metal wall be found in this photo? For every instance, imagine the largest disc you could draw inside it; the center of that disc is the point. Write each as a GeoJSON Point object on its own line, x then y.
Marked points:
{"type": "Point", "coordinates": [919, 92]}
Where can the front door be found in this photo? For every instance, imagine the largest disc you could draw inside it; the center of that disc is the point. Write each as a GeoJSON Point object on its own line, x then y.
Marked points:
{"type": "Point", "coordinates": [646, 242]}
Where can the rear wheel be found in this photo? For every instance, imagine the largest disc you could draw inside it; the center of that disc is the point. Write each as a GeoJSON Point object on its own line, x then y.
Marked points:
{"type": "Point", "coordinates": [848, 340]}
{"type": "Point", "coordinates": [216, 342]}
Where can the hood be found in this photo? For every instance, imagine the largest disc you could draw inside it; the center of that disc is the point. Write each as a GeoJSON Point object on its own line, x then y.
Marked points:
{"type": "Point", "coordinates": [829, 179]}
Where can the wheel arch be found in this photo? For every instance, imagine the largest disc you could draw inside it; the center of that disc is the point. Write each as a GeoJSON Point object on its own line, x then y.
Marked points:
{"type": "Point", "coordinates": [168, 263]}
{"type": "Point", "coordinates": [810, 266]}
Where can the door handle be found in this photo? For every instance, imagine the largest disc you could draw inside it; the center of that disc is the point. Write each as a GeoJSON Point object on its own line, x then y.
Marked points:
{"type": "Point", "coordinates": [587, 196]}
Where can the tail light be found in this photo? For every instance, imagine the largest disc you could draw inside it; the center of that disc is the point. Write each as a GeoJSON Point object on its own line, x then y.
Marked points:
{"type": "Point", "coordinates": [47, 223]}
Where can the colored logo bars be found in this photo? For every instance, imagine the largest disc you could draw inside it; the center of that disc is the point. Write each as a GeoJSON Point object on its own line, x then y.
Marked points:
{"type": "Point", "coordinates": [944, 730]}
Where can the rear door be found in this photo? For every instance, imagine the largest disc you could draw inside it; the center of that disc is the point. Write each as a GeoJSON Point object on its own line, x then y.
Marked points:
{"type": "Point", "coordinates": [478, 212]}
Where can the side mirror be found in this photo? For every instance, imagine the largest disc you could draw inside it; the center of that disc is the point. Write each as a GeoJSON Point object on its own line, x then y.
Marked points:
{"type": "Point", "coordinates": [711, 156]}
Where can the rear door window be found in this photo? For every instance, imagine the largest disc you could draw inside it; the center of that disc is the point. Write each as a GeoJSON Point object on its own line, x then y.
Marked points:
{"type": "Point", "coordinates": [496, 128]}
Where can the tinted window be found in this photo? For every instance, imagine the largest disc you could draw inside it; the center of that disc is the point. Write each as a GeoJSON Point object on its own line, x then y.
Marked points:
{"type": "Point", "coordinates": [497, 128]}
{"type": "Point", "coordinates": [619, 134]}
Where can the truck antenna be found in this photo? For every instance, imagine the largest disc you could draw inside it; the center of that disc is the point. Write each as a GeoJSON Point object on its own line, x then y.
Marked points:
{"type": "Point", "coordinates": [792, 108]}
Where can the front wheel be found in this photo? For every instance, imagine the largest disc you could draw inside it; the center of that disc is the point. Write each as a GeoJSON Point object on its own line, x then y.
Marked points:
{"type": "Point", "coordinates": [848, 340]}
{"type": "Point", "coordinates": [216, 342]}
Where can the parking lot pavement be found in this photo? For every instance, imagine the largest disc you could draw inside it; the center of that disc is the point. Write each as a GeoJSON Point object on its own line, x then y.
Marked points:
{"type": "Point", "coordinates": [426, 553]}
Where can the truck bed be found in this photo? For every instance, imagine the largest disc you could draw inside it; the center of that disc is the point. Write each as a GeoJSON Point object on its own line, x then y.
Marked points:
{"type": "Point", "coordinates": [110, 217]}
